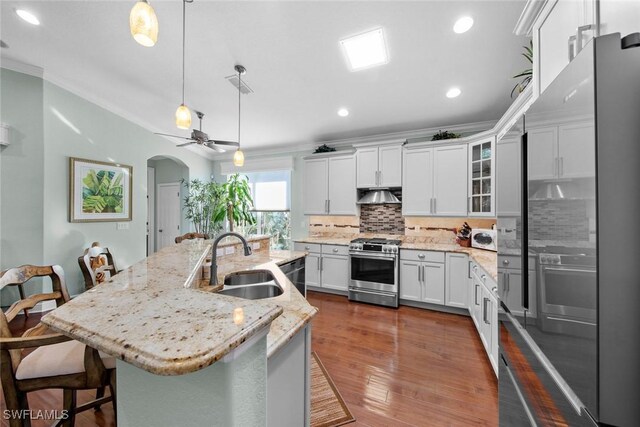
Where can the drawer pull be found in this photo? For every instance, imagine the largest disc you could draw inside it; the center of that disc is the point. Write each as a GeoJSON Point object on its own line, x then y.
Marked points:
{"type": "Point", "coordinates": [421, 256]}
{"type": "Point", "coordinates": [335, 249]}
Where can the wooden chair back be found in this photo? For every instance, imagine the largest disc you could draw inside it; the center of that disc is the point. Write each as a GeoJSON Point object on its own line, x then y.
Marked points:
{"type": "Point", "coordinates": [191, 236]}
{"type": "Point", "coordinates": [91, 274]}
{"type": "Point", "coordinates": [18, 276]}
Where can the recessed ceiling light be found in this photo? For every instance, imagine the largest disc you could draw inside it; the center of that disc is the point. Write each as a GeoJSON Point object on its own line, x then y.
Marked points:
{"type": "Point", "coordinates": [463, 24]}
{"type": "Point", "coordinates": [28, 16]}
{"type": "Point", "coordinates": [343, 112]}
{"type": "Point", "coordinates": [365, 50]}
{"type": "Point", "coordinates": [453, 92]}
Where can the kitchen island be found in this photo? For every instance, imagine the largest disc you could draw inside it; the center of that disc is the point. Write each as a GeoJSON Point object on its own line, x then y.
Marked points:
{"type": "Point", "coordinates": [186, 354]}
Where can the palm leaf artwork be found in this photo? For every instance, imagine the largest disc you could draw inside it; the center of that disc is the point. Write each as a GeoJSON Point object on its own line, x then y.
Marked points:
{"type": "Point", "coordinates": [527, 74]}
{"type": "Point", "coordinates": [102, 192]}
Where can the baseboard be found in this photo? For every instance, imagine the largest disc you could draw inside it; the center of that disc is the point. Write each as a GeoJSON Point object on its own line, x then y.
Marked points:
{"type": "Point", "coordinates": [435, 307]}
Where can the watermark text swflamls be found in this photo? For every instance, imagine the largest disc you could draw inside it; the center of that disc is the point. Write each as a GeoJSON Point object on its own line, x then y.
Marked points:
{"type": "Point", "coordinates": [35, 414]}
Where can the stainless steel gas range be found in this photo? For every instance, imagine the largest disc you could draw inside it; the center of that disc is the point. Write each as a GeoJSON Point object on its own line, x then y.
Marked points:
{"type": "Point", "coordinates": [373, 271]}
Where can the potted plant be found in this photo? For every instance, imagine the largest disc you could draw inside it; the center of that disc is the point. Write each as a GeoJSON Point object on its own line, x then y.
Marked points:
{"type": "Point", "coordinates": [236, 202]}
{"type": "Point", "coordinates": [527, 74]}
{"type": "Point", "coordinates": [200, 205]}
{"type": "Point", "coordinates": [444, 135]}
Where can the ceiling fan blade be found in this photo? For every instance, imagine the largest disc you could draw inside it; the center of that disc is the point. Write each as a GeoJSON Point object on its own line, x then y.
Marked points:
{"type": "Point", "coordinates": [228, 143]}
{"type": "Point", "coordinates": [172, 136]}
{"type": "Point", "coordinates": [185, 144]}
{"type": "Point", "coordinates": [213, 147]}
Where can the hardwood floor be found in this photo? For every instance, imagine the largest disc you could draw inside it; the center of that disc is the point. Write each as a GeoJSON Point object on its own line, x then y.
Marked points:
{"type": "Point", "coordinates": [404, 367]}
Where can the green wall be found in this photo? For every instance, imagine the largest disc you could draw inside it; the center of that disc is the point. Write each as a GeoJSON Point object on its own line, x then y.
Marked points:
{"type": "Point", "coordinates": [52, 127]}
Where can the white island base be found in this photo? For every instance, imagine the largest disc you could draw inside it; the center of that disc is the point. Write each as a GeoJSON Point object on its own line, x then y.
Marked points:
{"type": "Point", "coordinates": [231, 392]}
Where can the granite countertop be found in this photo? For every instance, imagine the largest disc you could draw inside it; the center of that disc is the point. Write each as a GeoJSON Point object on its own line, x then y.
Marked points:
{"type": "Point", "coordinates": [153, 315]}
{"type": "Point", "coordinates": [297, 312]}
{"type": "Point", "coordinates": [488, 260]}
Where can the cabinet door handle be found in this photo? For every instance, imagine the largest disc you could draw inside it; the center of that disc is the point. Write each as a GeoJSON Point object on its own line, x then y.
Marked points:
{"type": "Point", "coordinates": [582, 29]}
{"type": "Point", "coordinates": [424, 280]}
{"type": "Point", "coordinates": [484, 310]}
{"type": "Point", "coordinates": [435, 208]}
{"type": "Point", "coordinates": [475, 295]}
{"type": "Point", "coordinates": [506, 278]}
{"type": "Point", "coordinates": [329, 206]}
{"type": "Point", "coordinates": [320, 264]}
{"type": "Point", "coordinates": [469, 204]}
{"type": "Point", "coordinates": [380, 179]}
{"type": "Point", "coordinates": [571, 42]}
{"type": "Point", "coordinates": [419, 274]}
{"type": "Point", "coordinates": [561, 166]}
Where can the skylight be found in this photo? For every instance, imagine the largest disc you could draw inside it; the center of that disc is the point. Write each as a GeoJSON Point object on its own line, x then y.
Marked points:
{"type": "Point", "coordinates": [365, 50]}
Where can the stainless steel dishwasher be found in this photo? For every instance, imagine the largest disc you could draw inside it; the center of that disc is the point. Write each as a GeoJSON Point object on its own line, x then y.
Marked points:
{"type": "Point", "coordinates": [294, 271]}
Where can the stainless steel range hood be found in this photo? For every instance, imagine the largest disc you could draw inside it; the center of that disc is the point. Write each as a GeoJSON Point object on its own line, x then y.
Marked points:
{"type": "Point", "coordinates": [556, 190]}
{"type": "Point", "coordinates": [380, 196]}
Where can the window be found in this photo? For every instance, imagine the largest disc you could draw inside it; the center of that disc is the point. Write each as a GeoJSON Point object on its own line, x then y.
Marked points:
{"type": "Point", "coordinates": [271, 192]}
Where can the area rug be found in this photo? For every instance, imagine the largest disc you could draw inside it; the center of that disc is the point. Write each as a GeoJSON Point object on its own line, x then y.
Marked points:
{"type": "Point", "coordinates": [327, 407]}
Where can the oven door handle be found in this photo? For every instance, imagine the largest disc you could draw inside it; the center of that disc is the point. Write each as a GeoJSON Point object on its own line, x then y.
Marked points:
{"type": "Point", "coordinates": [378, 257]}
{"type": "Point", "coordinates": [569, 394]}
{"type": "Point", "coordinates": [577, 270]}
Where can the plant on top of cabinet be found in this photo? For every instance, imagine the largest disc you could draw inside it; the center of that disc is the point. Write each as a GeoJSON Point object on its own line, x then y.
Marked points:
{"type": "Point", "coordinates": [527, 74]}
{"type": "Point", "coordinates": [324, 148]}
{"type": "Point", "coordinates": [445, 135]}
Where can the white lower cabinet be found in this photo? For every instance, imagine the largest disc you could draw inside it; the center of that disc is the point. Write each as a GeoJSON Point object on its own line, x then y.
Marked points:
{"type": "Point", "coordinates": [483, 307]}
{"type": "Point", "coordinates": [455, 289]}
{"type": "Point", "coordinates": [326, 266]}
{"type": "Point", "coordinates": [510, 285]}
{"type": "Point", "coordinates": [334, 271]}
{"type": "Point", "coordinates": [422, 281]}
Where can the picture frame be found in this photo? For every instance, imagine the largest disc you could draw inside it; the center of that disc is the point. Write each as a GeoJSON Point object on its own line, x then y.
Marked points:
{"type": "Point", "coordinates": [99, 191]}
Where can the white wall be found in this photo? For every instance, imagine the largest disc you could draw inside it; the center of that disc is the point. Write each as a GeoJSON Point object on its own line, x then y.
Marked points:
{"type": "Point", "coordinates": [73, 127]}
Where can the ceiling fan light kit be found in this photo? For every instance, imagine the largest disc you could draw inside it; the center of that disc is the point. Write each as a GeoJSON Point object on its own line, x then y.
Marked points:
{"type": "Point", "coordinates": [143, 23]}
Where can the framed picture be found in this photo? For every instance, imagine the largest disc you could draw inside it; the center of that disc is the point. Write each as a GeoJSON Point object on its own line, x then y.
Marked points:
{"type": "Point", "coordinates": [99, 191]}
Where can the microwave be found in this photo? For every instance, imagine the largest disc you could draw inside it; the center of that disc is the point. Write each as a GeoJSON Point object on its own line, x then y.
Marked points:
{"type": "Point", "coordinates": [484, 238]}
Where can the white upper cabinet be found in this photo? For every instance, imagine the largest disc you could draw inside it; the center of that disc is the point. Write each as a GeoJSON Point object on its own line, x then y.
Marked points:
{"type": "Point", "coordinates": [561, 151]}
{"type": "Point", "coordinates": [508, 178]}
{"type": "Point", "coordinates": [316, 186]}
{"type": "Point", "coordinates": [342, 186]}
{"type": "Point", "coordinates": [619, 16]}
{"type": "Point", "coordinates": [417, 188]}
{"type": "Point", "coordinates": [450, 180]}
{"type": "Point", "coordinates": [545, 141]}
{"type": "Point", "coordinates": [390, 165]}
{"type": "Point", "coordinates": [330, 186]}
{"type": "Point", "coordinates": [562, 29]}
{"type": "Point", "coordinates": [576, 152]}
{"type": "Point", "coordinates": [481, 178]}
{"type": "Point", "coordinates": [379, 166]}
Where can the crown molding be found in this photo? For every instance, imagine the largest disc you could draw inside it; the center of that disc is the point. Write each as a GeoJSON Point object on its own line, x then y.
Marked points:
{"type": "Point", "coordinates": [21, 67]}
{"type": "Point", "coordinates": [528, 16]}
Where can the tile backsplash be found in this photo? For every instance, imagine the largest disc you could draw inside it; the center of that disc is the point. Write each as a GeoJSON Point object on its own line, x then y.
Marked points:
{"type": "Point", "coordinates": [560, 219]}
{"type": "Point", "coordinates": [386, 219]}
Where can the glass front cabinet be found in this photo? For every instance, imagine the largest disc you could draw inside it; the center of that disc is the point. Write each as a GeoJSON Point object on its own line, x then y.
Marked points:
{"type": "Point", "coordinates": [481, 199]}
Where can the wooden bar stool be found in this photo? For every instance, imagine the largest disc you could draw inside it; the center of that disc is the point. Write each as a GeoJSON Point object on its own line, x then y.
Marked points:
{"type": "Point", "coordinates": [56, 362]}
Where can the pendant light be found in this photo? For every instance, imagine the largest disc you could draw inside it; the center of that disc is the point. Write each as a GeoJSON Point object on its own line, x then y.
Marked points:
{"type": "Point", "coordinates": [143, 23]}
{"type": "Point", "coordinates": [238, 156]}
{"type": "Point", "coordinates": [183, 114]}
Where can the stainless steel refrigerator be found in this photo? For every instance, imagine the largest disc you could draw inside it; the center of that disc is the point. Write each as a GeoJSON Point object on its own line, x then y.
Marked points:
{"type": "Point", "coordinates": [570, 341]}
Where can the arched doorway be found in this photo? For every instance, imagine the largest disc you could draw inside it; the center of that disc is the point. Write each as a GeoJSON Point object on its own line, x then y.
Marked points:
{"type": "Point", "coordinates": [165, 201]}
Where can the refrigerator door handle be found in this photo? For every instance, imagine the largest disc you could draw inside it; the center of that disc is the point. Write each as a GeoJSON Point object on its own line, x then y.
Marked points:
{"type": "Point", "coordinates": [569, 394]}
{"type": "Point", "coordinates": [524, 200]}
{"type": "Point", "coordinates": [523, 401]}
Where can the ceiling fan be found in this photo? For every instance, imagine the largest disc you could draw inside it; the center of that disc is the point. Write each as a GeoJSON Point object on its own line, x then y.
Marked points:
{"type": "Point", "coordinates": [201, 138]}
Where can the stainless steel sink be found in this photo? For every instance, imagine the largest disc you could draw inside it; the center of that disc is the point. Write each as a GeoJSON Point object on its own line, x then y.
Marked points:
{"type": "Point", "coordinates": [255, 284]}
{"type": "Point", "coordinates": [249, 278]}
{"type": "Point", "coordinates": [259, 291]}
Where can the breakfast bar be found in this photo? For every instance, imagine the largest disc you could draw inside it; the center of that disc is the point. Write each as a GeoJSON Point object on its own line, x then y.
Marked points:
{"type": "Point", "coordinates": [170, 330]}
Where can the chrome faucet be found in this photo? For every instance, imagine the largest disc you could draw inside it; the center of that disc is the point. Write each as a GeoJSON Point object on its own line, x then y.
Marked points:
{"type": "Point", "coordinates": [213, 280]}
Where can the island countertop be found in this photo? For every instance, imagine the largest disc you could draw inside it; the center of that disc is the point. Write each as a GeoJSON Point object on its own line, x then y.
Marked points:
{"type": "Point", "coordinates": [155, 316]}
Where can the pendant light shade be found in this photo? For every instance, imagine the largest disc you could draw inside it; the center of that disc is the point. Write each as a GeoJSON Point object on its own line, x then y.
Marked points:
{"type": "Point", "coordinates": [183, 117]}
{"type": "Point", "coordinates": [238, 158]}
{"type": "Point", "coordinates": [143, 23]}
